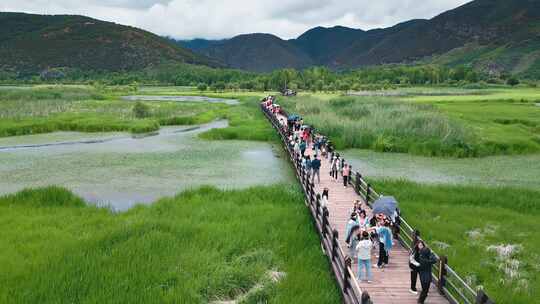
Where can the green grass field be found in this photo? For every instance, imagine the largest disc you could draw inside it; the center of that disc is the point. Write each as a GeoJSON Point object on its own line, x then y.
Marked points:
{"type": "Point", "coordinates": [44, 109]}
{"type": "Point", "coordinates": [206, 244]}
{"type": "Point", "coordinates": [428, 121]}
{"type": "Point", "coordinates": [200, 246]}
{"type": "Point", "coordinates": [506, 121]}
{"type": "Point", "coordinates": [469, 224]}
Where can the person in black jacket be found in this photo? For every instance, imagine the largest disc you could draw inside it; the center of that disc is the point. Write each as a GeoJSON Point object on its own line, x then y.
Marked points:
{"type": "Point", "coordinates": [316, 166]}
{"type": "Point", "coordinates": [413, 264]}
{"type": "Point", "coordinates": [426, 259]}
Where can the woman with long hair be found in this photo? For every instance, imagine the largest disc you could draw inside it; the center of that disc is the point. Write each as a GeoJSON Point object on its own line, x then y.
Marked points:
{"type": "Point", "coordinates": [414, 264]}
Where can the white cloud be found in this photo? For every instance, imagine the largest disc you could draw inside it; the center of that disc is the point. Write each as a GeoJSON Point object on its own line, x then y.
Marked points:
{"type": "Point", "coordinates": [221, 19]}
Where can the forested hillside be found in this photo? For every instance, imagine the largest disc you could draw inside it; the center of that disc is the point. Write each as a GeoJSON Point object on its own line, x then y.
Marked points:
{"type": "Point", "coordinates": [36, 43]}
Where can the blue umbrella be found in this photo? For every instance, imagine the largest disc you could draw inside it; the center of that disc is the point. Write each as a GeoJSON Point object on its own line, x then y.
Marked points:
{"type": "Point", "coordinates": [385, 205]}
{"type": "Point", "coordinates": [293, 117]}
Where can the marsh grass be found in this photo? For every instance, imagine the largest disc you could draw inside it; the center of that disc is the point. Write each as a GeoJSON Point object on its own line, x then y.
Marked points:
{"type": "Point", "coordinates": [386, 125]}
{"type": "Point", "coordinates": [199, 246]}
{"type": "Point", "coordinates": [475, 224]}
{"type": "Point", "coordinates": [64, 108]}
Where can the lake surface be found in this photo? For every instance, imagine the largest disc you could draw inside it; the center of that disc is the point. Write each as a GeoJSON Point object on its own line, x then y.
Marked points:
{"type": "Point", "coordinates": [514, 170]}
{"type": "Point", "coordinates": [118, 170]}
{"type": "Point", "coordinates": [181, 99]}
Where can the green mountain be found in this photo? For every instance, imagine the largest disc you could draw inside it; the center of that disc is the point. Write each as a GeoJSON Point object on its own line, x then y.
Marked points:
{"type": "Point", "coordinates": [464, 35]}
{"type": "Point", "coordinates": [33, 43]}
{"type": "Point", "coordinates": [495, 36]}
{"type": "Point", "coordinates": [258, 53]}
{"type": "Point", "coordinates": [323, 44]}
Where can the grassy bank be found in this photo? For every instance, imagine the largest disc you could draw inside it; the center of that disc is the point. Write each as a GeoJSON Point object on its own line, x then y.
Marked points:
{"type": "Point", "coordinates": [385, 124]}
{"type": "Point", "coordinates": [505, 121]}
{"type": "Point", "coordinates": [199, 246]}
{"type": "Point", "coordinates": [431, 122]}
{"type": "Point", "coordinates": [490, 235]}
{"type": "Point", "coordinates": [34, 110]}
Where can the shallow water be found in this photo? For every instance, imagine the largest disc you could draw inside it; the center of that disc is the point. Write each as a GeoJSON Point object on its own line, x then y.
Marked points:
{"type": "Point", "coordinates": [122, 171]}
{"type": "Point", "coordinates": [181, 99]}
{"type": "Point", "coordinates": [515, 170]}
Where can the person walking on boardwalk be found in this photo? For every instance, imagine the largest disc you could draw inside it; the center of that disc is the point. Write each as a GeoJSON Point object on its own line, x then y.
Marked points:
{"type": "Point", "coordinates": [352, 241]}
{"type": "Point", "coordinates": [303, 147]}
{"type": "Point", "coordinates": [385, 243]}
{"type": "Point", "coordinates": [316, 167]}
{"type": "Point", "coordinates": [414, 264]}
{"type": "Point", "coordinates": [357, 207]}
{"type": "Point", "coordinates": [353, 222]}
{"type": "Point", "coordinates": [363, 249]}
{"type": "Point", "coordinates": [352, 227]}
{"type": "Point", "coordinates": [316, 145]}
{"type": "Point", "coordinates": [426, 260]}
{"type": "Point", "coordinates": [324, 199]}
{"type": "Point", "coordinates": [334, 168]}
{"type": "Point", "coordinates": [346, 172]}
{"type": "Point", "coordinates": [363, 220]}
{"type": "Point", "coordinates": [296, 148]}
{"type": "Point", "coordinates": [308, 166]}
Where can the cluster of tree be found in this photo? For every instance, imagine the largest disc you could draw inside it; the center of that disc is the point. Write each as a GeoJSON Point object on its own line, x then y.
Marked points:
{"type": "Point", "coordinates": [311, 79]}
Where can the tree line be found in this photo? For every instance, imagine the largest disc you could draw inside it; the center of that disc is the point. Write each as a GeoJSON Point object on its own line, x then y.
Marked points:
{"type": "Point", "coordinates": [311, 79]}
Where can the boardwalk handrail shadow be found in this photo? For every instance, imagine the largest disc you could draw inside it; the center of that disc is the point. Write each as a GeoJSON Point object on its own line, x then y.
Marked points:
{"type": "Point", "coordinates": [449, 283]}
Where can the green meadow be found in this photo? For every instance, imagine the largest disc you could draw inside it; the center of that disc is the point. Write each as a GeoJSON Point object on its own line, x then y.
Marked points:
{"type": "Point", "coordinates": [462, 162]}
{"type": "Point", "coordinates": [490, 234]}
{"type": "Point", "coordinates": [45, 109]}
{"type": "Point", "coordinates": [446, 122]}
{"type": "Point", "coordinates": [197, 247]}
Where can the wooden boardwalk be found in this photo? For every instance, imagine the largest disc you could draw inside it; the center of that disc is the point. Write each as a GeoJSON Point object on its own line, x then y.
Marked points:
{"type": "Point", "coordinates": [390, 284]}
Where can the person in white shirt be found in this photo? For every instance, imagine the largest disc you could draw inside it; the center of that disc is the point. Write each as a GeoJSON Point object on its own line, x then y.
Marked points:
{"type": "Point", "coordinates": [363, 249]}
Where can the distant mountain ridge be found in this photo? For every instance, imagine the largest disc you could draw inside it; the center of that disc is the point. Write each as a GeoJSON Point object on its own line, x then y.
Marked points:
{"type": "Point", "coordinates": [495, 36]}
{"type": "Point", "coordinates": [32, 43]}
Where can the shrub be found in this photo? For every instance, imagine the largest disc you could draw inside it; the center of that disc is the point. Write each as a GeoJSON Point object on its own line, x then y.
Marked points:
{"type": "Point", "coordinates": [512, 81]}
{"type": "Point", "coordinates": [202, 87]}
{"type": "Point", "coordinates": [141, 110]}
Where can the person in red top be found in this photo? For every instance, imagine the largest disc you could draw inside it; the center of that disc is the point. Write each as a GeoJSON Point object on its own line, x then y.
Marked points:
{"type": "Point", "coordinates": [346, 173]}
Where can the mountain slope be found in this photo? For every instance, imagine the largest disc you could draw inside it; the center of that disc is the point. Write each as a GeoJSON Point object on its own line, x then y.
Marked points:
{"type": "Point", "coordinates": [494, 36]}
{"type": "Point", "coordinates": [483, 22]}
{"type": "Point", "coordinates": [322, 44]}
{"type": "Point", "coordinates": [32, 43]}
{"type": "Point", "coordinates": [258, 53]}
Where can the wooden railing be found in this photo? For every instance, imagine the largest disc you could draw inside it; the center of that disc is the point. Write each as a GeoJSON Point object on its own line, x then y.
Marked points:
{"type": "Point", "coordinates": [449, 283]}
{"type": "Point", "coordinates": [447, 280]}
{"type": "Point", "coordinates": [340, 263]}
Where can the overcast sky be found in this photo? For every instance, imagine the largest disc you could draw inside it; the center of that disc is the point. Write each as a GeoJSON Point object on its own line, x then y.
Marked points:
{"type": "Point", "coordinates": [213, 19]}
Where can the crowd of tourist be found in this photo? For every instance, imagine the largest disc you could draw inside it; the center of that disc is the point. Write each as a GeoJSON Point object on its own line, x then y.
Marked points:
{"type": "Point", "coordinates": [365, 233]}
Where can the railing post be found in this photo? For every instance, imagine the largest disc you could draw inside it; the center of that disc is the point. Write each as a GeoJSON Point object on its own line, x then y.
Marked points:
{"type": "Point", "coordinates": [366, 299]}
{"type": "Point", "coordinates": [325, 220]}
{"type": "Point", "coordinates": [317, 205]}
{"type": "Point", "coordinates": [442, 273]}
{"type": "Point", "coordinates": [308, 190]}
{"type": "Point", "coordinates": [368, 192]}
{"type": "Point", "coordinates": [482, 298]}
{"type": "Point", "coordinates": [311, 193]}
{"type": "Point", "coordinates": [357, 184]}
{"type": "Point", "coordinates": [346, 275]}
{"type": "Point", "coordinates": [335, 244]}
